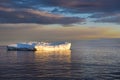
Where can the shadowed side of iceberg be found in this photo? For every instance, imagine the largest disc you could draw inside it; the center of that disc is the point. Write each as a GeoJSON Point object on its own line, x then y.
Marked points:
{"type": "Point", "coordinates": [21, 47]}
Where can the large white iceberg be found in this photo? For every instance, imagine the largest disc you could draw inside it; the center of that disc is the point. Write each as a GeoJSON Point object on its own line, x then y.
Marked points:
{"type": "Point", "coordinates": [40, 46]}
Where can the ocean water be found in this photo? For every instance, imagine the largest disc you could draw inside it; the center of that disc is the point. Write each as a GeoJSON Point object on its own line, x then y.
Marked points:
{"type": "Point", "coordinates": [87, 60]}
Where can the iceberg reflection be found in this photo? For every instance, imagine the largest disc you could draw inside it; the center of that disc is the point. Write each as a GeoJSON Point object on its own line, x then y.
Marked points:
{"type": "Point", "coordinates": [56, 56]}
{"type": "Point", "coordinates": [53, 63]}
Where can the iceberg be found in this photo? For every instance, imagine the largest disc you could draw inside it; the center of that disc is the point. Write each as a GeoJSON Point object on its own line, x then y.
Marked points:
{"type": "Point", "coordinates": [40, 46]}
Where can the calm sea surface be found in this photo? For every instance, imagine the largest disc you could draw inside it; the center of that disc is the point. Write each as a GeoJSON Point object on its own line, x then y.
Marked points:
{"type": "Point", "coordinates": [88, 60]}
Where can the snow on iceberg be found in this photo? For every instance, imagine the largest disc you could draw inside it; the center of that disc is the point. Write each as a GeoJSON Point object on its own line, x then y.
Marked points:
{"type": "Point", "coordinates": [40, 46]}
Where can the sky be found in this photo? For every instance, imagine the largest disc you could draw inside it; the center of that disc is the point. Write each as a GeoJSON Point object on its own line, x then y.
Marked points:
{"type": "Point", "coordinates": [58, 20]}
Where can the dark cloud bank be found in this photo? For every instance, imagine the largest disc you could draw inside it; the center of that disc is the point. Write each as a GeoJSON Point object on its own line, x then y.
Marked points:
{"type": "Point", "coordinates": [31, 11]}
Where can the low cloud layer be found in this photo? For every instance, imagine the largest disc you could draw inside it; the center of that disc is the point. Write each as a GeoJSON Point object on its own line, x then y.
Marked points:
{"type": "Point", "coordinates": [37, 32]}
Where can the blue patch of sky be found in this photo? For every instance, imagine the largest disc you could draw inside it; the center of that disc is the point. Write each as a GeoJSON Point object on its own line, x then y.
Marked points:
{"type": "Point", "coordinates": [81, 15]}
{"type": "Point", "coordinates": [61, 11]}
{"type": "Point", "coordinates": [99, 24]}
{"type": "Point", "coordinates": [49, 9]}
{"type": "Point", "coordinates": [21, 2]}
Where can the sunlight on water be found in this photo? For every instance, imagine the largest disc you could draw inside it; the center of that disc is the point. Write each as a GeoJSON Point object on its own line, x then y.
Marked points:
{"type": "Point", "coordinates": [56, 63]}
{"type": "Point", "coordinates": [57, 56]}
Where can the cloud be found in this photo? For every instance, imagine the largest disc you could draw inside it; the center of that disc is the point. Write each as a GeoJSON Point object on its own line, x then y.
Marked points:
{"type": "Point", "coordinates": [97, 8]}
{"type": "Point", "coordinates": [113, 17]}
{"type": "Point", "coordinates": [56, 11]}
{"type": "Point", "coordinates": [72, 5]}
{"type": "Point", "coordinates": [84, 5]}
{"type": "Point", "coordinates": [10, 15]}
